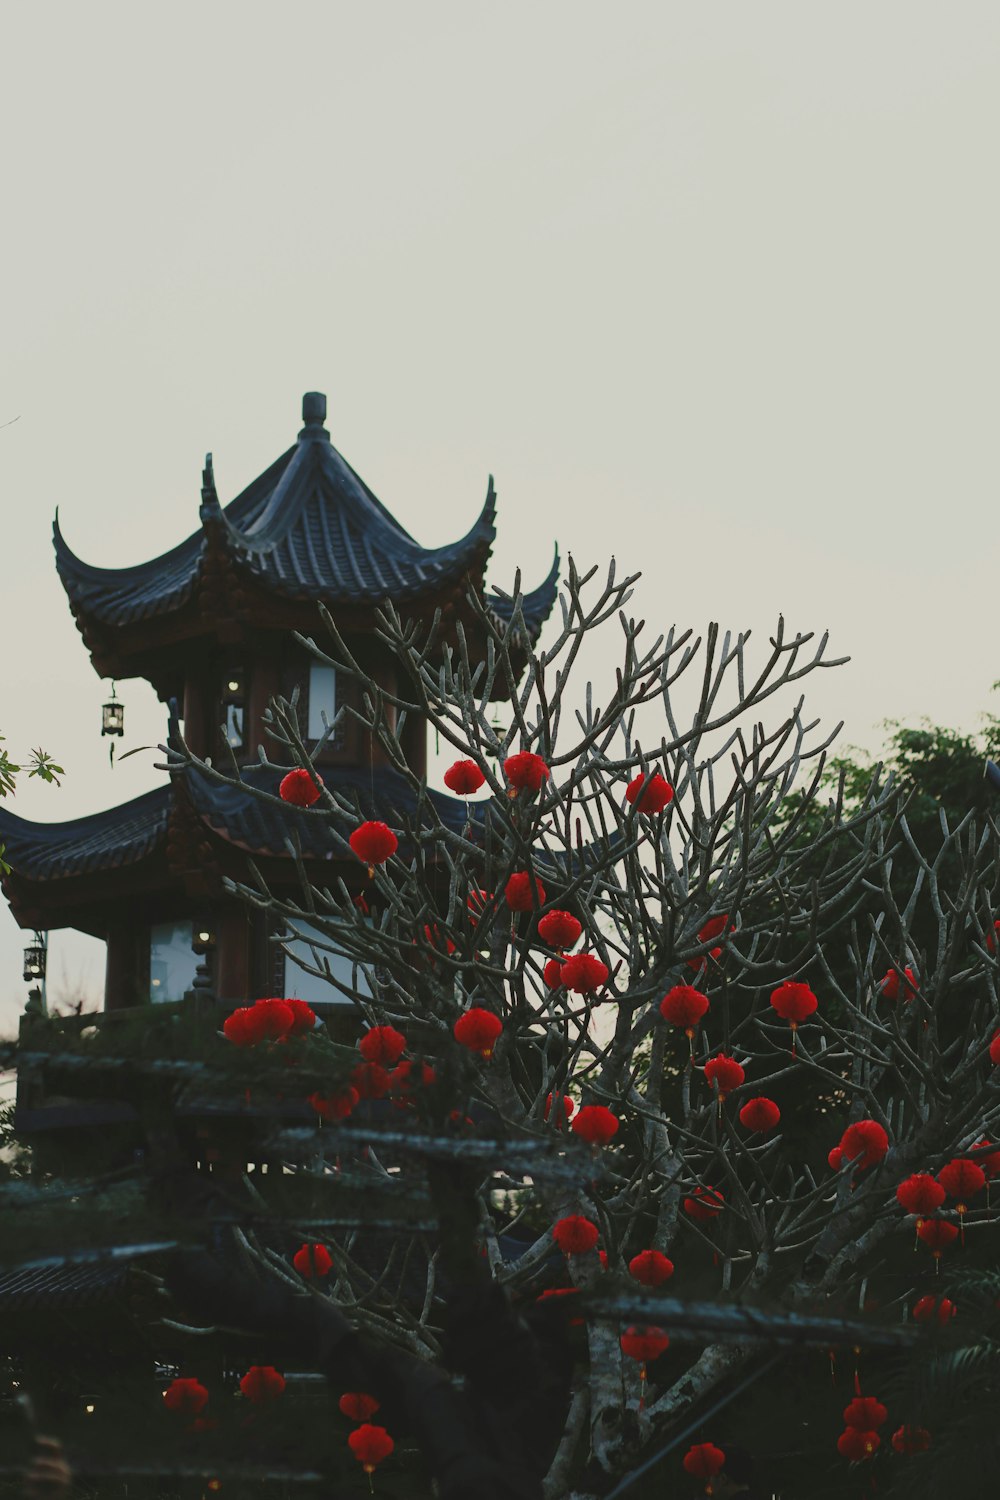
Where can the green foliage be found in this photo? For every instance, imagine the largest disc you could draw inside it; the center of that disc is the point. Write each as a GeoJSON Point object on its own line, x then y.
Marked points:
{"type": "Point", "coordinates": [41, 765]}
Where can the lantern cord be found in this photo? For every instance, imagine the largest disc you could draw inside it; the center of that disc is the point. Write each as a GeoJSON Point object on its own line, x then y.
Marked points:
{"type": "Point", "coordinates": [692, 1428]}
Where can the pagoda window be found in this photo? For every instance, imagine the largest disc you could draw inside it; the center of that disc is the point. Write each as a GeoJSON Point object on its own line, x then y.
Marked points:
{"type": "Point", "coordinates": [312, 947]}
{"type": "Point", "coordinates": [234, 707]}
{"type": "Point", "coordinates": [322, 701]}
{"type": "Point", "coordinates": [172, 961]}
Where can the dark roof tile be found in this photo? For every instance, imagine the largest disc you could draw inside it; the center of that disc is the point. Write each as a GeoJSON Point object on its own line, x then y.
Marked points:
{"type": "Point", "coordinates": [307, 528]}
{"type": "Point", "coordinates": [100, 841]}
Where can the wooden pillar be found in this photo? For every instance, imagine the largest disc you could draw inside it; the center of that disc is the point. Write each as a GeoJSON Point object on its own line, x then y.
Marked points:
{"type": "Point", "coordinates": [196, 712]}
{"type": "Point", "coordinates": [265, 682]}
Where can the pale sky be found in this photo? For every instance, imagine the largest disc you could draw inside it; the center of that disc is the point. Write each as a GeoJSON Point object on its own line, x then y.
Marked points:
{"type": "Point", "coordinates": [713, 288]}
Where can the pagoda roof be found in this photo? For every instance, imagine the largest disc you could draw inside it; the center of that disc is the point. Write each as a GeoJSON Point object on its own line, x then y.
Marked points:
{"type": "Point", "coordinates": [121, 836]}
{"type": "Point", "coordinates": [103, 840]}
{"type": "Point", "coordinates": [307, 529]}
{"type": "Point", "coordinates": [266, 827]}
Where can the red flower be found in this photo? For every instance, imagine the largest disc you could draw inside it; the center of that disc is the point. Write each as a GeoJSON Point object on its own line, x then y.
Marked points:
{"type": "Point", "coordinates": [864, 1143]}
{"type": "Point", "coordinates": [857, 1445]}
{"type": "Point", "coordinates": [403, 1080]}
{"type": "Point", "coordinates": [560, 929]}
{"type": "Point", "coordinates": [552, 973]}
{"type": "Point", "coordinates": [684, 1006]}
{"type": "Point", "coordinates": [893, 983]}
{"type": "Point", "coordinates": [273, 1018]}
{"type": "Point", "coordinates": [464, 778]}
{"type": "Point", "coordinates": [267, 1020]}
{"type": "Point", "coordinates": [525, 772]}
{"type": "Point", "coordinates": [864, 1413]}
{"type": "Point", "coordinates": [382, 1044]}
{"type": "Point", "coordinates": [524, 891]}
{"type": "Point", "coordinates": [937, 1234]}
{"type": "Point", "coordinates": [760, 1115]}
{"type": "Point", "coordinates": [262, 1383]}
{"type": "Point", "coordinates": [715, 927]}
{"type": "Point", "coordinates": [568, 1106]}
{"type": "Point", "coordinates": [651, 1267]}
{"type": "Point", "coordinates": [930, 1309]}
{"type": "Point", "coordinates": [303, 1016]}
{"type": "Point", "coordinates": [336, 1106]}
{"type": "Point", "coordinates": [990, 1164]}
{"type": "Point", "coordinates": [725, 1073]}
{"type": "Point", "coordinates": [657, 794]}
{"type": "Point", "coordinates": [187, 1397]}
{"type": "Point", "coordinates": [962, 1179]}
{"type": "Point", "coordinates": [704, 1460]}
{"type": "Point", "coordinates": [584, 973]}
{"type": "Point", "coordinates": [575, 1235]}
{"type": "Point", "coordinates": [561, 1291]}
{"type": "Point", "coordinates": [478, 1030]}
{"type": "Point", "coordinates": [433, 936]}
{"type": "Point", "coordinates": [595, 1124]}
{"type": "Point", "coordinates": [995, 1050]}
{"type": "Point", "coordinates": [312, 1261]}
{"type": "Point", "coordinates": [911, 1439]}
{"type": "Point", "coordinates": [374, 843]}
{"type": "Point", "coordinates": [371, 1080]}
{"type": "Point", "coordinates": [704, 1203]}
{"type": "Point", "coordinates": [476, 903]}
{"type": "Point", "coordinates": [793, 1002]}
{"type": "Point", "coordinates": [920, 1194]}
{"type": "Point", "coordinates": [835, 1159]}
{"type": "Point", "coordinates": [644, 1344]}
{"type": "Point", "coordinates": [299, 788]}
{"type": "Point", "coordinates": [370, 1445]}
{"type": "Point", "coordinates": [358, 1406]}
{"type": "Point", "coordinates": [239, 1029]}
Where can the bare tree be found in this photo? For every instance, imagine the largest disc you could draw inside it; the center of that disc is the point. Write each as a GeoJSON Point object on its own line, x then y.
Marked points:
{"type": "Point", "coordinates": [712, 891]}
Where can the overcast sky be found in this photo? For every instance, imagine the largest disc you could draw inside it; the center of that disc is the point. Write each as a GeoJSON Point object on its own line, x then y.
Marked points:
{"type": "Point", "coordinates": [712, 288]}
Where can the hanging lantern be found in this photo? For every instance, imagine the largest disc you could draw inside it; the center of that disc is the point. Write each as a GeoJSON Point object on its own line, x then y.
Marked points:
{"type": "Point", "coordinates": [34, 959]}
{"type": "Point", "coordinates": [203, 936]}
{"type": "Point", "coordinates": [113, 715]}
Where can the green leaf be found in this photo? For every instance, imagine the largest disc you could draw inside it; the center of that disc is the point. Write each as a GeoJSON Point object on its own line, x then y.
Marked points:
{"type": "Point", "coordinates": [44, 766]}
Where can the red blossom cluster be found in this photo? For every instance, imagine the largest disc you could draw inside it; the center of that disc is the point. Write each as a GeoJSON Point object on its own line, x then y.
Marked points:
{"type": "Point", "coordinates": [186, 1397]}
{"type": "Point", "coordinates": [268, 1021]}
{"type": "Point", "coordinates": [525, 772]}
{"type": "Point", "coordinates": [684, 1006]}
{"type": "Point", "coordinates": [370, 1445]}
{"type": "Point", "coordinates": [595, 1124]}
{"type": "Point", "coordinates": [478, 1031]}
{"type": "Point", "coordinates": [649, 794]}
{"type": "Point", "coordinates": [299, 788]}
{"type": "Point", "coordinates": [860, 1439]}
{"type": "Point", "coordinates": [383, 1045]}
{"type": "Point", "coordinates": [312, 1261]}
{"type": "Point", "coordinates": [463, 778]}
{"type": "Point", "coordinates": [651, 1267]}
{"type": "Point", "coordinates": [262, 1384]}
{"type": "Point", "coordinates": [524, 891]}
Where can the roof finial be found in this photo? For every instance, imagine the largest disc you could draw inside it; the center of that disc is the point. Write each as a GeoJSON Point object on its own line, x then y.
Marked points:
{"type": "Point", "coordinates": [209, 495]}
{"type": "Point", "coordinates": [314, 414]}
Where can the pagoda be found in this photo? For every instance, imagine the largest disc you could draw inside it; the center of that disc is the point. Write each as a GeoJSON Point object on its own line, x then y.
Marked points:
{"type": "Point", "coordinates": [210, 626]}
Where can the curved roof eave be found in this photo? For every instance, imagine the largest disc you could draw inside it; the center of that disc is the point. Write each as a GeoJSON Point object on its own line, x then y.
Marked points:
{"type": "Point", "coordinates": [307, 527]}
{"type": "Point", "coordinates": [103, 840]}
{"type": "Point", "coordinates": [536, 606]}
